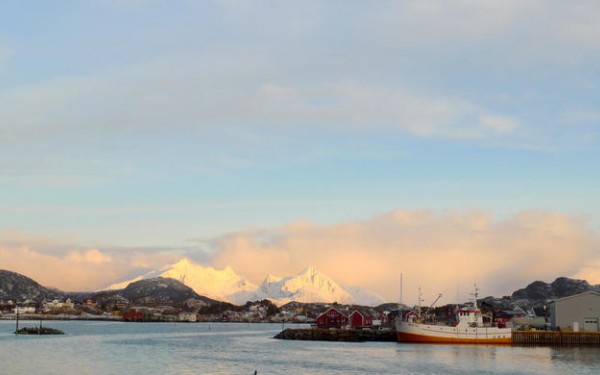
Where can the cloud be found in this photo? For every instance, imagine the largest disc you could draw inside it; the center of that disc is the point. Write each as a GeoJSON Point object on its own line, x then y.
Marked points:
{"type": "Point", "coordinates": [151, 101]}
{"type": "Point", "coordinates": [515, 34]}
{"type": "Point", "coordinates": [92, 256]}
{"type": "Point", "coordinates": [280, 77]}
{"type": "Point", "coordinates": [60, 263]}
{"type": "Point", "coordinates": [440, 252]}
{"type": "Point", "coordinates": [72, 273]}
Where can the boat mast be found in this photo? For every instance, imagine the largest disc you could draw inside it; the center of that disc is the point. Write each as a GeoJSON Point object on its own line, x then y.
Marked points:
{"type": "Point", "coordinates": [419, 302]}
{"type": "Point", "coordinates": [401, 286]}
{"type": "Point", "coordinates": [17, 311]}
{"type": "Point", "coordinates": [475, 294]}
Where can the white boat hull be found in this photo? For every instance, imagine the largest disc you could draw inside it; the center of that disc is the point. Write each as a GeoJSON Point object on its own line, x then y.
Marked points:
{"type": "Point", "coordinates": [431, 333]}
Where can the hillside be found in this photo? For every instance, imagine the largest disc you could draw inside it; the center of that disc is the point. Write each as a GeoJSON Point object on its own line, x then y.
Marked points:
{"type": "Point", "coordinates": [17, 287]}
{"type": "Point", "coordinates": [206, 281]}
{"type": "Point", "coordinates": [540, 291]}
{"type": "Point", "coordinates": [160, 291]}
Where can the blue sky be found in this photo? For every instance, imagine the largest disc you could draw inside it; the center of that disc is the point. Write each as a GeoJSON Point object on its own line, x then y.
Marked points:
{"type": "Point", "coordinates": [166, 126]}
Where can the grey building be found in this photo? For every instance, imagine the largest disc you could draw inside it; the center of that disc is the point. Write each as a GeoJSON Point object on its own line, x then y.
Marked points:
{"type": "Point", "coordinates": [580, 312]}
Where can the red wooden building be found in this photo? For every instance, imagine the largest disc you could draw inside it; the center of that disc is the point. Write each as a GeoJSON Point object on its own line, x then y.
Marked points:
{"type": "Point", "coordinates": [331, 318]}
{"type": "Point", "coordinates": [133, 316]}
{"type": "Point", "coordinates": [360, 319]}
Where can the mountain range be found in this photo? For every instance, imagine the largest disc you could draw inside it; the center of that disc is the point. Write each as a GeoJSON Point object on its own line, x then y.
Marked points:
{"type": "Point", "coordinates": [308, 286]}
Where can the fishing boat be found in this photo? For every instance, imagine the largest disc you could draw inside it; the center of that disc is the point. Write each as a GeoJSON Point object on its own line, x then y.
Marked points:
{"type": "Point", "coordinates": [469, 328]}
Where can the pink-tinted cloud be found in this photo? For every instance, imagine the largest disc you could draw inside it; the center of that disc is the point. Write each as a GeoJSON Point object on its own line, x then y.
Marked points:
{"type": "Point", "coordinates": [61, 264]}
{"type": "Point", "coordinates": [439, 252]}
{"type": "Point", "coordinates": [444, 253]}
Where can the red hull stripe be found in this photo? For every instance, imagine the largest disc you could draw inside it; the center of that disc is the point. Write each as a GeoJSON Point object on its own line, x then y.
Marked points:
{"type": "Point", "coordinates": [414, 338]}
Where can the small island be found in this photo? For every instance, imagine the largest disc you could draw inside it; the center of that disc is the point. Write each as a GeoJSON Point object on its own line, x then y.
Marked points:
{"type": "Point", "coordinates": [38, 331]}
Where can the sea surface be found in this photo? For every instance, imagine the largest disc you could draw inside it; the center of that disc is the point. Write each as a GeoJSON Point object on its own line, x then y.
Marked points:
{"type": "Point", "coordinates": [239, 348]}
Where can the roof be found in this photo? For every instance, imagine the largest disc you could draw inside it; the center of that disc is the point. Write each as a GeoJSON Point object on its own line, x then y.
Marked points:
{"type": "Point", "coordinates": [576, 295]}
{"type": "Point", "coordinates": [362, 312]}
{"type": "Point", "coordinates": [329, 309]}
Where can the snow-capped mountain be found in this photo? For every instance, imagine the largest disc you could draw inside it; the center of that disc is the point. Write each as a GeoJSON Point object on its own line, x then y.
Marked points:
{"type": "Point", "coordinates": [206, 281]}
{"type": "Point", "coordinates": [308, 286]}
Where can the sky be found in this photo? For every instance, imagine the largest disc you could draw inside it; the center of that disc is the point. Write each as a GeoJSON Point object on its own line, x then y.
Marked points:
{"type": "Point", "coordinates": [450, 142]}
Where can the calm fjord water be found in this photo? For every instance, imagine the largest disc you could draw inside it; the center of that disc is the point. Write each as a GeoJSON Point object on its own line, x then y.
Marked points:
{"type": "Point", "coordinates": [230, 348]}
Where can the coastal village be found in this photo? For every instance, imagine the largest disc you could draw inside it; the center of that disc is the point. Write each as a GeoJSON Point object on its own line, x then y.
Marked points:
{"type": "Point", "coordinates": [570, 313]}
{"type": "Point", "coordinates": [574, 308]}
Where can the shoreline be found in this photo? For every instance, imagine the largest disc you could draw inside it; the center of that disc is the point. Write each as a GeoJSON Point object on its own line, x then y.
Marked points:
{"type": "Point", "coordinates": [36, 317]}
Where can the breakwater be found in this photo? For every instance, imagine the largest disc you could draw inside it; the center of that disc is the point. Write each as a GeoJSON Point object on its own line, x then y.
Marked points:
{"type": "Point", "coordinates": [555, 338]}
{"type": "Point", "coordinates": [349, 335]}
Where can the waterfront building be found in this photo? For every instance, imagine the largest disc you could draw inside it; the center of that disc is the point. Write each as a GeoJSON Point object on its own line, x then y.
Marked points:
{"type": "Point", "coordinates": [579, 312]}
{"type": "Point", "coordinates": [360, 319]}
{"type": "Point", "coordinates": [331, 318]}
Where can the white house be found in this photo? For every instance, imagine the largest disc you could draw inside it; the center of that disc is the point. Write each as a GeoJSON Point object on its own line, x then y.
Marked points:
{"type": "Point", "coordinates": [24, 309]}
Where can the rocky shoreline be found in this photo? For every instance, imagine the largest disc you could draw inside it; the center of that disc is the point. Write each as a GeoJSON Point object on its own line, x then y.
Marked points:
{"type": "Point", "coordinates": [348, 335]}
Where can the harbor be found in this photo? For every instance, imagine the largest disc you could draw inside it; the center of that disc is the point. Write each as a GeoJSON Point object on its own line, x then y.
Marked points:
{"type": "Point", "coordinates": [234, 348]}
{"type": "Point", "coordinates": [519, 338]}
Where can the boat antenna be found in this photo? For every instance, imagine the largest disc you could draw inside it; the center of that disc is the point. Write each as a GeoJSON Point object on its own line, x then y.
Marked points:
{"type": "Point", "coordinates": [475, 294]}
{"type": "Point", "coordinates": [401, 286]}
{"type": "Point", "coordinates": [419, 301]}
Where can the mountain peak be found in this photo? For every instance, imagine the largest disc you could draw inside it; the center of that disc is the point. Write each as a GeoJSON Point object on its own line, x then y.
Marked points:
{"type": "Point", "coordinates": [182, 262]}
{"type": "Point", "coordinates": [269, 279]}
{"type": "Point", "coordinates": [310, 270]}
{"type": "Point", "coordinates": [204, 280]}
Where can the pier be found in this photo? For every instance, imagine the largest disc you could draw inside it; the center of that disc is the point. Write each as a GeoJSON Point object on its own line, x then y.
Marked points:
{"type": "Point", "coordinates": [555, 338]}
{"type": "Point", "coordinates": [349, 335]}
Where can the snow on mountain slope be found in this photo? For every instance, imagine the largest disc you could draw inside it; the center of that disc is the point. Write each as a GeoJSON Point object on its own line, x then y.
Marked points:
{"type": "Point", "coordinates": [362, 296]}
{"type": "Point", "coordinates": [308, 286]}
{"type": "Point", "coordinates": [205, 281]}
{"type": "Point", "coordinates": [312, 286]}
